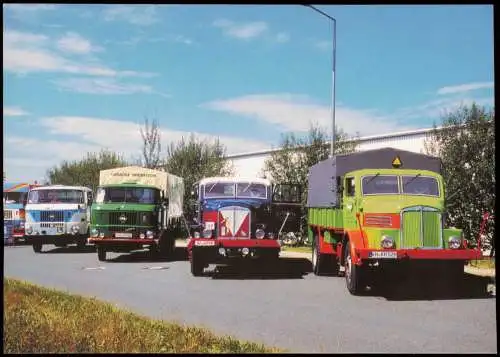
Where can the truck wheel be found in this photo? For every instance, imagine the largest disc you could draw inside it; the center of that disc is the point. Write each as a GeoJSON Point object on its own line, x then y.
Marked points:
{"type": "Point", "coordinates": [82, 242]}
{"type": "Point", "coordinates": [323, 263]}
{"type": "Point", "coordinates": [454, 273]}
{"type": "Point", "coordinates": [196, 265]}
{"type": "Point", "coordinates": [101, 254]}
{"type": "Point", "coordinates": [37, 247]}
{"type": "Point", "coordinates": [353, 274]}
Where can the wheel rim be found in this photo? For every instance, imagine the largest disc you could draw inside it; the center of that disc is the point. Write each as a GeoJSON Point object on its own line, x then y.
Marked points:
{"type": "Point", "coordinates": [348, 268]}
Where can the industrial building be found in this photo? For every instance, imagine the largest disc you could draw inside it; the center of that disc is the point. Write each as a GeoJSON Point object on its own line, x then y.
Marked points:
{"type": "Point", "coordinates": [251, 164]}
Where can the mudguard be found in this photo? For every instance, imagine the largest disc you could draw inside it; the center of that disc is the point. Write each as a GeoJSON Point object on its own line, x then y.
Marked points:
{"type": "Point", "coordinates": [357, 240]}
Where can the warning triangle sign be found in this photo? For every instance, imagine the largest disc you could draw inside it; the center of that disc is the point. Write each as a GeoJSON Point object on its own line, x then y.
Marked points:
{"type": "Point", "coordinates": [396, 162]}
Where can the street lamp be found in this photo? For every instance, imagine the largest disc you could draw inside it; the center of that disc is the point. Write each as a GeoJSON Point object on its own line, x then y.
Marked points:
{"type": "Point", "coordinates": [332, 148]}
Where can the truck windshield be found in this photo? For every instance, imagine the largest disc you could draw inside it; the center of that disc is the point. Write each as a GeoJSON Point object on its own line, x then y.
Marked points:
{"type": "Point", "coordinates": [380, 185]}
{"type": "Point", "coordinates": [14, 197]}
{"type": "Point", "coordinates": [420, 185]}
{"type": "Point", "coordinates": [55, 196]}
{"type": "Point", "coordinates": [253, 190]}
{"type": "Point", "coordinates": [219, 189]}
{"type": "Point", "coordinates": [127, 194]}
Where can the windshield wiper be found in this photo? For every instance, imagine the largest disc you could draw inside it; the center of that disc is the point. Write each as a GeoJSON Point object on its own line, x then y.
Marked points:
{"type": "Point", "coordinates": [412, 179]}
{"type": "Point", "coordinates": [373, 178]}
{"type": "Point", "coordinates": [212, 187]}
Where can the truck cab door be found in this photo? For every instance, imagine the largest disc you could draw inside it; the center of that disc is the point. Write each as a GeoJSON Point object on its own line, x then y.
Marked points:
{"type": "Point", "coordinates": [349, 202]}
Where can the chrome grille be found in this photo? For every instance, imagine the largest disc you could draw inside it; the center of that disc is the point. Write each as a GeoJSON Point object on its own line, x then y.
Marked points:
{"type": "Point", "coordinates": [7, 214]}
{"type": "Point", "coordinates": [52, 225]}
{"type": "Point", "coordinates": [51, 216]}
{"type": "Point", "coordinates": [421, 228]}
{"type": "Point", "coordinates": [123, 218]}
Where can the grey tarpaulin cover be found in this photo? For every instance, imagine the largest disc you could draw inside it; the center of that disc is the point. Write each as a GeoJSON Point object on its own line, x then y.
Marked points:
{"type": "Point", "coordinates": [322, 176]}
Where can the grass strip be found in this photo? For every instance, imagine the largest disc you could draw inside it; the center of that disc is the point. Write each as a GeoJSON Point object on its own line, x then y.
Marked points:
{"type": "Point", "coordinates": [42, 320]}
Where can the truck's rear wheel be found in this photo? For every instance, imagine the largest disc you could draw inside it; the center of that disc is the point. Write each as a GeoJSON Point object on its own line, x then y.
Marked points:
{"type": "Point", "coordinates": [353, 274]}
{"type": "Point", "coordinates": [197, 265]}
{"type": "Point", "coordinates": [101, 254]}
{"type": "Point", "coordinates": [37, 247]}
{"type": "Point", "coordinates": [81, 243]}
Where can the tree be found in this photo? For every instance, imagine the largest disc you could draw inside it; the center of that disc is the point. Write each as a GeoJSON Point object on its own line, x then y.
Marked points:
{"type": "Point", "coordinates": [195, 159]}
{"type": "Point", "coordinates": [84, 172]}
{"type": "Point", "coordinates": [151, 148]}
{"type": "Point", "coordinates": [297, 154]}
{"type": "Point", "coordinates": [466, 146]}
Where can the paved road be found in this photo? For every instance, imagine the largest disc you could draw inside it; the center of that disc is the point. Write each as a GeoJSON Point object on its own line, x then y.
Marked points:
{"type": "Point", "coordinates": [290, 308]}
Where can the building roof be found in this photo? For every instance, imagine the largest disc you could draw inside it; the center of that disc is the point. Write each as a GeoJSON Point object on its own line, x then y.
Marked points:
{"type": "Point", "coordinates": [360, 139]}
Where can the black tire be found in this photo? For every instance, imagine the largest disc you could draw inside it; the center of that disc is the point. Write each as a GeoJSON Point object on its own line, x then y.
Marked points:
{"type": "Point", "coordinates": [81, 243]}
{"type": "Point", "coordinates": [323, 264]}
{"type": "Point", "coordinates": [101, 254]}
{"type": "Point", "coordinates": [60, 245]}
{"type": "Point", "coordinates": [197, 265]}
{"type": "Point", "coordinates": [37, 247]}
{"type": "Point", "coordinates": [454, 274]}
{"type": "Point", "coordinates": [353, 274]}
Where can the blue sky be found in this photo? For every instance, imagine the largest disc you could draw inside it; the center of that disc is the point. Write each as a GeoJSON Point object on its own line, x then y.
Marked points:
{"type": "Point", "coordinates": [79, 78]}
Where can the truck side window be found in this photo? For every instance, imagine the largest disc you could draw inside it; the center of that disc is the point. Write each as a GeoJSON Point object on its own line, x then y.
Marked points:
{"type": "Point", "coordinates": [351, 189]}
{"type": "Point", "coordinates": [90, 198]}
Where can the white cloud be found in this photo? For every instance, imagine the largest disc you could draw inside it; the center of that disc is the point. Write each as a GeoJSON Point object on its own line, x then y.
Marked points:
{"type": "Point", "coordinates": [27, 53]}
{"type": "Point", "coordinates": [142, 15]}
{"type": "Point", "coordinates": [75, 43]}
{"type": "Point", "coordinates": [14, 112]}
{"type": "Point", "coordinates": [28, 7]}
{"type": "Point", "coordinates": [244, 31]}
{"type": "Point", "coordinates": [296, 112]}
{"type": "Point", "coordinates": [282, 37]}
{"type": "Point", "coordinates": [103, 86]}
{"type": "Point", "coordinates": [462, 88]}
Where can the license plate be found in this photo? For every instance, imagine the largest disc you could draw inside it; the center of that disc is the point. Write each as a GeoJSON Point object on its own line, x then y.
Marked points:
{"type": "Point", "coordinates": [210, 226]}
{"type": "Point", "coordinates": [204, 243]}
{"type": "Point", "coordinates": [123, 235]}
{"type": "Point", "coordinates": [383, 255]}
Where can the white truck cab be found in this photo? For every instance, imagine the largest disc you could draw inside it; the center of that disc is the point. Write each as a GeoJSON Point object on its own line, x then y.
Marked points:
{"type": "Point", "coordinates": [58, 215]}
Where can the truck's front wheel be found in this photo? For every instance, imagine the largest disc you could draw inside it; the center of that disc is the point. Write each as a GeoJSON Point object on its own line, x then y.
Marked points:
{"type": "Point", "coordinates": [197, 265]}
{"type": "Point", "coordinates": [81, 243]}
{"type": "Point", "coordinates": [101, 254]}
{"type": "Point", "coordinates": [37, 247]}
{"type": "Point", "coordinates": [353, 274]}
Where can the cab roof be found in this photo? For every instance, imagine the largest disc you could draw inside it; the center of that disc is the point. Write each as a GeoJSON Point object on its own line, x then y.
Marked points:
{"type": "Point", "coordinates": [235, 179]}
{"type": "Point", "coordinates": [129, 185]}
{"type": "Point", "coordinates": [61, 187]}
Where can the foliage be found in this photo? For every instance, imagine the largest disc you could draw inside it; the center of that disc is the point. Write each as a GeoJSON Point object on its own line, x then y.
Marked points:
{"type": "Point", "coordinates": [297, 154]}
{"type": "Point", "coordinates": [84, 172]}
{"type": "Point", "coordinates": [194, 159]}
{"type": "Point", "coordinates": [151, 148]}
{"type": "Point", "coordinates": [466, 145]}
{"type": "Point", "coordinates": [41, 320]}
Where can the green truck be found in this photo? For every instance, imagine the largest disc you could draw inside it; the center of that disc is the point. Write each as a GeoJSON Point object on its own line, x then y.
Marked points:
{"type": "Point", "coordinates": [134, 208]}
{"type": "Point", "coordinates": [382, 211]}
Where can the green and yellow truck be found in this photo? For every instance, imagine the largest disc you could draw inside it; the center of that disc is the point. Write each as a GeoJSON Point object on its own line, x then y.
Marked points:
{"type": "Point", "coordinates": [134, 208]}
{"type": "Point", "coordinates": [382, 211]}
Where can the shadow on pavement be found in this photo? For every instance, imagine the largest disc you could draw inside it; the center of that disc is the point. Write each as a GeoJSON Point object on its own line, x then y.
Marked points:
{"type": "Point", "coordinates": [141, 256]}
{"type": "Point", "coordinates": [289, 268]}
{"type": "Point", "coordinates": [70, 249]}
{"type": "Point", "coordinates": [418, 288]}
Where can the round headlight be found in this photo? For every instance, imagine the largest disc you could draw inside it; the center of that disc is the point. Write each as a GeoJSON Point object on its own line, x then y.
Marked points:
{"type": "Point", "coordinates": [245, 251]}
{"type": "Point", "coordinates": [94, 232]}
{"type": "Point", "coordinates": [75, 229]}
{"type": "Point", "coordinates": [270, 235]}
{"type": "Point", "coordinates": [259, 233]}
{"type": "Point", "coordinates": [101, 234]}
{"type": "Point", "coordinates": [454, 242]}
{"type": "Point", "coordinates": [387, 242]}
{"type": "Point", "coordinates": [149, 235]}
{"type": "Point", "coordinates": [142, 235]}
{"type": "Point", "coordinates": [207, 233]}
{"type": "Point", "coordinates": [29, 229]}
{"type": "Point", "coordinates": [222, 251]}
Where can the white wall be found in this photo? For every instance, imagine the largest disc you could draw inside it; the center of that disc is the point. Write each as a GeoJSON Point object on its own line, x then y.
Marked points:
{"type": "Point", "coordinates": [251, 165]}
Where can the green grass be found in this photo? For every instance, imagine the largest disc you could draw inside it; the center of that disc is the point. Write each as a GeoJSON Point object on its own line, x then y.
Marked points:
{"type": "Point", "coordinates": [487, 263]}
{"type": "Point", "coordinates": [302, 249]}
{"type": "Point", "coordinates": [41, 320]}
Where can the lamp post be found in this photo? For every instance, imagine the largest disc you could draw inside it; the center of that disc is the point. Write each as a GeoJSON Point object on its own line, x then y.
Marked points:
{"type": "Point", "coordinates": [332, 147]}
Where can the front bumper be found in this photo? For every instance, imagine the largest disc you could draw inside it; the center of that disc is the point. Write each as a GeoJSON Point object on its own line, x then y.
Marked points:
{"type": "Point", "coordinates": [233, 249]}
{"type": "Point", "coordinates": [121, 241]}
{"type": "Point", "coordinates": [53, 239]}
{"type": "Point", "coordinates": [418, 254]}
